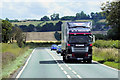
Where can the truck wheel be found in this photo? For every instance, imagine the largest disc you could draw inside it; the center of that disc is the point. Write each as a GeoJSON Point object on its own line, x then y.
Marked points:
{"type": "Point", "coordinates": [64, 59]}
{"type": "Point", "coordinates": [84, 61]}
{"type": "Point", "coordinates": [89, 61]}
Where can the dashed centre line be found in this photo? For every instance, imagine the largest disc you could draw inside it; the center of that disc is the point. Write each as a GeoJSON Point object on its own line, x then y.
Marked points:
{"type": "Point", "coordinates": [68, 76]}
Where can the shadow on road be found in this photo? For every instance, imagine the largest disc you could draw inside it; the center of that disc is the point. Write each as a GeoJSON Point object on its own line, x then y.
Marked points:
{"type": "Point", "coordinates": [62, 62]}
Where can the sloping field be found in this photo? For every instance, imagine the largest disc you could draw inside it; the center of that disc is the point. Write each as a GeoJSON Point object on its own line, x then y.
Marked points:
{"type": "Point", "coordinates": [40, 36]}
{"type": "Point", "coordinates": [35, 23]}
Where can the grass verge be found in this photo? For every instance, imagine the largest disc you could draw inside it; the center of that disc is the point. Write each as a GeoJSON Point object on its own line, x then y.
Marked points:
{"type": "Point", "coordinates": [13, 58]}
{"type": "Point", "coordinates": [107, 56]}
{"type": "Point", "coordinates": [11, 67]}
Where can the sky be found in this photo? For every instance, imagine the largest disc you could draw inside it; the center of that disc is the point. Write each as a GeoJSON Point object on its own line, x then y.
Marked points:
{"type": "Point", "coordinates": [36, 9]}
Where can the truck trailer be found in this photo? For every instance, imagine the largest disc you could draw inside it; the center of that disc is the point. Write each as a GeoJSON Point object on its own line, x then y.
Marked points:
{"type": "Point", "coordinates": [77, 41]}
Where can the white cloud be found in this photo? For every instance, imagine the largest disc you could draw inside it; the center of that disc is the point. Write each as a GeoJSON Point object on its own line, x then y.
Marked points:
{"type": "Point", "coordinates": [39, 8]}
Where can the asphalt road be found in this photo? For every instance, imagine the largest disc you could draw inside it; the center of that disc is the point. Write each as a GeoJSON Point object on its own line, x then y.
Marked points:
{"type": "Point", "coordinates": [44, 63]}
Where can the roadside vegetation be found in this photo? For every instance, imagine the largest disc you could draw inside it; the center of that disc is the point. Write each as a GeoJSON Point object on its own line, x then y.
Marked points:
{"type": "Point", "coordinates": [13, 58]}
{"type": "Point", "coordinates": [34, 44]}
{"type": "Point", "coordinates": [106, 52]}
{"type": "Point", "coordinates": [13, 53]}
{"type": "Point", "coordinates": [107, 44]}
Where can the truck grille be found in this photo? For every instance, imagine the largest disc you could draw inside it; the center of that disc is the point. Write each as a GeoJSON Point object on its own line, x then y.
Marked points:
{"type": "Point", "coordinates": [82, 49]}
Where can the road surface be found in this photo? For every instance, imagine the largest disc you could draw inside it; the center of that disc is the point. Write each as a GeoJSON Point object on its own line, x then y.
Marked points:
{"type": "Point", "coordinates": [44, 63]}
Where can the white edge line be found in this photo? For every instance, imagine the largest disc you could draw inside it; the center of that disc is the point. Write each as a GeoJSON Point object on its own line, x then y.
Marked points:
{"type": "Point", "coordinates": [24, 65]}
{"type": "Point", "coordinates": [107, 66]}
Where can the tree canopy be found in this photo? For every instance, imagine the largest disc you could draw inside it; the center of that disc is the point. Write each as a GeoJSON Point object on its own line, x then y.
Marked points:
{"type": "Point", "coordinates": [6, 31]}
{"type": "Point", "coordinates": [112, 11]}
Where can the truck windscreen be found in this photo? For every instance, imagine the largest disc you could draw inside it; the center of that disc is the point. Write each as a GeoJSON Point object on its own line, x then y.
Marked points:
{"type": "Point", "coordinates": [79, 39]}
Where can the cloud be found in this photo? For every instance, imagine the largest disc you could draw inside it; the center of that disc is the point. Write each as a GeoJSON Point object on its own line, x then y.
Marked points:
{"type": "Point", "coordinates": [35, 9]}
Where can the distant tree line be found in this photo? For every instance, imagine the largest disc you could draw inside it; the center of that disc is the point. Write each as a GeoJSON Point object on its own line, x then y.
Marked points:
{"type": "Point", "coordinates": [44, 28]}
{"type": "Point", "coordinates": [81, 15]}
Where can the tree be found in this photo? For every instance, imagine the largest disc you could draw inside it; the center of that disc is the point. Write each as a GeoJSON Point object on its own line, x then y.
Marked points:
{"type": "Point", "coordinates": [6, 19]}
{"type": "Point", "coordinates": [45, 18]}
{"type": "Point", "coordinates": [6, 31]}
{"type": "Point", "coordinates": [18, 36]}
{"type": "Point", "coordinates": [68, 18]}
{"type": "Point", "coordinates": [30, 28]}
{"type": "Point", "coordinates": [112, 10]}
{"type": "Point", "coordinates": [58, 26]}
{"type": "Point", "coordinates": [54, 17]}
{"type": "Point", "coordinates": [81, 15]}
{"type": "Point", "coordinates": [57, 36]}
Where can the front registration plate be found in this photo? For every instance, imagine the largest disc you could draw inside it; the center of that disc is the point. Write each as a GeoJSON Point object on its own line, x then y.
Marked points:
{"type": "Point", "coordinates": [79, 58]}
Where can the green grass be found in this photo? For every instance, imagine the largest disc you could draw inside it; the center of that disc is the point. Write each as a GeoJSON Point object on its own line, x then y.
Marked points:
{"type": "Point", "coordinates": [12, 58]}
{"type": "Point", "coordinates": [107, 56]}
{"type": "Point", "coordinates": [35, 23]}
{"type": "Point", "coordinates": [12, 66]}
{"type": "Point", "coordinates": [107, 44]}
{"type": "Point", "coordinates": [11, 48]}
{"type": "Point", "coordinates": [108, 63]}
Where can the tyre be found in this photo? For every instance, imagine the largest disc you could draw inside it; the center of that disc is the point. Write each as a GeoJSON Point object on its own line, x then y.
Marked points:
{"type": "Point", "coordinates": [84, 61]}
{"type": "Point", "coordinates": [89, 61]}
{"type": "Point", "coordinates": [64, 59]}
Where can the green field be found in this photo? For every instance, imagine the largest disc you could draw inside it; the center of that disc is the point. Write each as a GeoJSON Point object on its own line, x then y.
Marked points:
{"type": "Point", "coordinates": [35, 23]}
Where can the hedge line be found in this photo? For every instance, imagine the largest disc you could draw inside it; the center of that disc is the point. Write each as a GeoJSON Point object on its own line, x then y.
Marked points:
{"type": "Point", "coordinates": [107, 44]}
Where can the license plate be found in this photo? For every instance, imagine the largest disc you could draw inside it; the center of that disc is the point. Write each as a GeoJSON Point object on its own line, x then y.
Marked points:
{"type": "Point", "coordinates": [79, 44]}
{"type": "Point", "coordinates": [79, 58]}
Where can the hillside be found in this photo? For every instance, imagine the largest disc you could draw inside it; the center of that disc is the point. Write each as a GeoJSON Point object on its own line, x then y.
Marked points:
{"type": "Point", "coordinates": [35, 23]}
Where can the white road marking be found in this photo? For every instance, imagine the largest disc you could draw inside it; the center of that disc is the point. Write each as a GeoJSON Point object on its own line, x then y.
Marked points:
{"type": "Point", "coordinates": [107, 66]}
{"type": "Point", "coordinates": [65, 72]}
{"type": "Point", "coordinates": [92, 60]}
{"type": "Point", "coordinates": [24, 65]}
{"type": "Point", "coordinates": [78, 76]}
{"type": "Point", "coordinates": [68, 76]}
{"type": "Point", "coordinates": [59, 65]}
{"type": "Point", "coordinates": [74, 72]}
{"type": "Point", "coordinates": [61, 68]}
{"type": "Point", "coordinates": [69, 68]}
{"type": "Point", "coordinates": [66, 65]}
